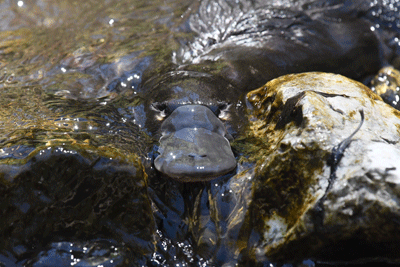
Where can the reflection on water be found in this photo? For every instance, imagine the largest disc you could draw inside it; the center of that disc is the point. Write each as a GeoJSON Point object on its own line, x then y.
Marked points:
{"type": "Point", "coordinates": [76, 184]}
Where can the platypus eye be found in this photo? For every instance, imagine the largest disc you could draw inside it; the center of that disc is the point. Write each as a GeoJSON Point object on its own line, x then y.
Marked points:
{"type": "Point", "coordinates": [161, 109]}
{"type": "Point", "coordinates": [223, 105]}
{"type": "Point", "coordinates": [223, 111]}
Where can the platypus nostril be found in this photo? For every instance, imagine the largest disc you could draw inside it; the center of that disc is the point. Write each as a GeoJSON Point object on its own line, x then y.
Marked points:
{"type": "Point", "coordinates": [197, 156]}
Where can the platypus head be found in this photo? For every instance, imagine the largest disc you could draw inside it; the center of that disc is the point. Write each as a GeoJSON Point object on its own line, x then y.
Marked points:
{"type": "Point", "coordinates": [193, 146]}
{"type": "Point", "coordinates": [187, 109]}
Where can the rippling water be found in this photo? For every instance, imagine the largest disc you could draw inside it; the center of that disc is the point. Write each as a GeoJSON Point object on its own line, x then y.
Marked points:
{"type": "Point", "coordinates": [70, 72]}
{"type": "Point", "coordinates": [75, 136]}
{"type": "Point", "coordinates": [63, 62]}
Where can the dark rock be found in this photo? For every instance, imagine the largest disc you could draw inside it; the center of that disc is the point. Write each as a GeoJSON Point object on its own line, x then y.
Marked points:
{"type": "Point", "coordinates": [74, 192]}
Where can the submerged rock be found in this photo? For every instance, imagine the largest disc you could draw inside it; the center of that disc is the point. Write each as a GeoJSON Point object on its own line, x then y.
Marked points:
{"type": "Point", "coordinates": [304, 204]}
{"type": "Point", "coordinates": [72, 193]}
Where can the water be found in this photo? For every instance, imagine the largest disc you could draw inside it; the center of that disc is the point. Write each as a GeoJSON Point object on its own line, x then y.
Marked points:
{"type": "Point", "coordinates": [77, 136]}
{"type": "Point", "coordinates": [69, 83]}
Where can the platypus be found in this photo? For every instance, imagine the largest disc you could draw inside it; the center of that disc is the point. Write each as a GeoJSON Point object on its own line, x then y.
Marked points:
{"type": "Point", "coordinates": [193, 118]}
{"type": "Point", "coordinates": [196, 107]}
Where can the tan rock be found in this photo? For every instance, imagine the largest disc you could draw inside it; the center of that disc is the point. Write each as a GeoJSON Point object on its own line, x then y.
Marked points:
{"type": "Point", "coordinates": [302, 206]}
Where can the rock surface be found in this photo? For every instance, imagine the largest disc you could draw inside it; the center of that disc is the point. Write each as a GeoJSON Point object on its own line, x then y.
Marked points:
{"type": "Point", "coordinates": [302, 204]}
{"type": "Point", "coordinates": [74, 192]}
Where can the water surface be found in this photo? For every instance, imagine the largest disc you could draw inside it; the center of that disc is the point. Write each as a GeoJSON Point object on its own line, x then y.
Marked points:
{"type": "Point", "coordinates": [76, 139]}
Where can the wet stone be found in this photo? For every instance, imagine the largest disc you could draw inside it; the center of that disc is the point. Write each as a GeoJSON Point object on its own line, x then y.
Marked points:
{"type": "Point", "coordinates": [56, 195]}
{"type": "Point", "coordinates": [316, 192]}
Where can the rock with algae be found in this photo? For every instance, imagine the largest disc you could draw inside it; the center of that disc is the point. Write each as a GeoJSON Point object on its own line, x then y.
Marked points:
{"type": "Point", "coordinates": [308, 201]}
